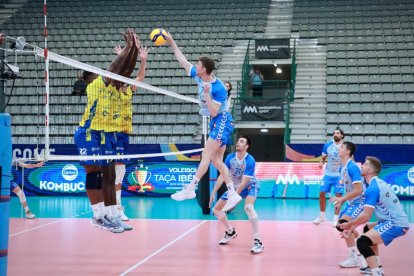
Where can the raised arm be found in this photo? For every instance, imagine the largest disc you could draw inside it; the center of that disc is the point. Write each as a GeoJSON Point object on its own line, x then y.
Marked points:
{"type": "Point", "coordinates": [143, 55]}
{"type": "Point", "coordinates": [178, 54]}
{"type": "Point", "coordinates": [30, 166]}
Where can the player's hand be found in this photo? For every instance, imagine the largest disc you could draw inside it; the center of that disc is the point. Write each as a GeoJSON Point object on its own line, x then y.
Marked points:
{"type": "Point", "coordinates": [345, 234]}
{"type": "Point", "coordinates": [169, 39]}
{"type": "Point", "coordinates": [136, 41]}
{"type": "Point", "coordinates": [143, 53]}
{"type": "Point", "coordinates": [212, 197]}
{"type": "Point", "coordinates": [40, 164]}
{"type": "Point", "coordinates": [117, 49]}
{"type": "Point", "coordinates": [345, 226]}
{"type": "Point", "coordinates": [320, 165]}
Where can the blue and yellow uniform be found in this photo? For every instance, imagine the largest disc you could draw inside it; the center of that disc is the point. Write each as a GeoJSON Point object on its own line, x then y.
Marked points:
{"type": "Point", "coordinates": [221, 126]}
{"type": "Point", "coordinates": [90, 137]}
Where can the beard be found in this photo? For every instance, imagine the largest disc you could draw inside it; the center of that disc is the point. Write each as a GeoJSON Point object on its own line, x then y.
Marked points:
{"type": "Point", "coordinates": [336, 138]}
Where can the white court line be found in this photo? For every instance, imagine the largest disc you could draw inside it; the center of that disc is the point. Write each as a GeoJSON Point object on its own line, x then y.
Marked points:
{"type": "Point", "coordinates": [162, 248]}
{"type": "Point", "coordinates": [47, 224]}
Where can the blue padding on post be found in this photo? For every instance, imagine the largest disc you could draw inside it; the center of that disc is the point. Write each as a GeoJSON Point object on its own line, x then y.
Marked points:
{"type": "Point", "coordinates": [5, 163]}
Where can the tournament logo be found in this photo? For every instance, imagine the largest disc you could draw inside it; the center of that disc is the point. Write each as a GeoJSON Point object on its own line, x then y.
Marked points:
{"type": "Point", "coordinates": [140, 177]}
{"type": "Point", "coordinates": [69, 172]}
{"type": "Point", "coordinates": [410, 175]}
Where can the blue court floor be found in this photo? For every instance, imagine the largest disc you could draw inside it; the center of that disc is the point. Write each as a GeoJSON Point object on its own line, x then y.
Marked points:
{"type": "Point", "coordinates": [165, 208]}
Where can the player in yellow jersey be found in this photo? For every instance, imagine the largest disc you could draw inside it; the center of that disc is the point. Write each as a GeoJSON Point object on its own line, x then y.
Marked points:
{"type": "Point", "coordinates": [122, 120]}
{"type": "Point", "coordinates": [92, 138]}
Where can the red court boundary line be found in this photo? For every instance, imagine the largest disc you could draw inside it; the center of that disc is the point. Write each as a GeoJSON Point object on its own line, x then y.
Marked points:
{"type": "Point", "coordinates": [162, 248]}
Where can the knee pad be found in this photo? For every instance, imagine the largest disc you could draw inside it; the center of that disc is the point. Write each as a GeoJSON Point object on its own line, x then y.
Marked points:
{"type": "Point", "coordinates": [339, 223]}
{"type": "Point", "coordinates": [366, 228]}
{"type": "Point", "coordinates": [119, 173]}
{"type": "Point", "coordinates": [364, 246]}
{"type": "Point", "coordinates": [93, 181]}
{"type": "Point", "coordinates": [251, 213]}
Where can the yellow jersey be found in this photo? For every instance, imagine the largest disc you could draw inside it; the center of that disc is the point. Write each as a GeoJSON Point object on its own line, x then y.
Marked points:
{"type": "Point", "coordinates": [97, 110]}
{"type": "Point", "coordinates": [120, 119]}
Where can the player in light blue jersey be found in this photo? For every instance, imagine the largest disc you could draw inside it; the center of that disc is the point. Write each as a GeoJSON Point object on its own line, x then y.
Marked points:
{"type": "Point", "coordinates": [331, 176]}
{"type": "Point", "coordinates": [392, 220]}
{"type": "Point", "coordinates": [241, 170]}
{"type": "Point", "coordinates": [213, 102]}
{"type": "Point", "coordinates": [352, 180]}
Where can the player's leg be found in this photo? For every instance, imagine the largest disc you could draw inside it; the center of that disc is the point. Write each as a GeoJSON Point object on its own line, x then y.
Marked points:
{"type": "Point", "coordinates": [22, 198]}
{"type": "Point", "coordinates": [230, 233]}
{"type": "Point", "coordinates": [352, 260]}
{"type": "Point", "coordinates": [121, 149]}
{"type": "Point", "coordinates": [188, 191]}
{"type": "Point", "coordinates": [338, 193]}
{"type": "Point", "coordinates": [365, 270]}
{"type": "Point", "coordinates": [252, 192]}
{"type": "Point", "coordinates": [323, 189]}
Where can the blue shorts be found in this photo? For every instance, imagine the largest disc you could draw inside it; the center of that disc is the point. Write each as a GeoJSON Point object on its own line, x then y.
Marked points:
{"type": "Point", "coordinates": [13, 185]}
{"type": "Point", "coordinates": [349, 209]}
{"type": "Point", "coordinates": [389, 232]}
{"type": "Point", "coordinates": [221, 128]}
{"type": "Point", "coordinates": [329, 182]}
{"type": "Point", "coordinates": [88, 143]}
{"type": "Point", "coordinates": [122, 143]}
{"type": "Point", "coordinates": [251, 189]}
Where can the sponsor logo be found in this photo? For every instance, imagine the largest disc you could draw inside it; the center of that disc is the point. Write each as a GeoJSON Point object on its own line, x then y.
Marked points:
{"type": "Point", "coordinates": [262, 48]}
{"type": "Point", "coordinates": [289, 179]}
{"type": "Point", "coordinates": [250, 109]}
{"type": "Point", "coordinates": [69, 172]}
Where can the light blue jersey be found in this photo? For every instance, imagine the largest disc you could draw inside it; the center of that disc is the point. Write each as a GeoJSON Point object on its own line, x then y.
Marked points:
{"type": "Point", "coordinates": [239, 168]}
{"type": "Point", "coordinates": [331, 150]}
{"type": "Point", "coordinates": [351, 174]}
{"type": "Point", "coordinates": [380, 196]}
{"type": "Point", "coordinates": [218, 93]}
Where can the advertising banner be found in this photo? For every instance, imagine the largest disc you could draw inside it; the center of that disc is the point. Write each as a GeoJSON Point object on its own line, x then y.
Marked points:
{"type": "Point", "coordinates": [272, 48]}
{"type": "Point", "coordinates": [277, 179]}
{"type": "Point", "coordinates": [261, 110]}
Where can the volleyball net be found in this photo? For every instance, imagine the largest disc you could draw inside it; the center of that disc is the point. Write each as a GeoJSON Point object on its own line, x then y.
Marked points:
{"type": "Point", "coordinates": [46, 94]}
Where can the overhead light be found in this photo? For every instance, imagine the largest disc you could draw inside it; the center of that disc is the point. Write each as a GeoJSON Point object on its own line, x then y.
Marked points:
{"type": "Point", "coordinates": [275, 64]}
{"type": "Point", "coordinates": [264, 130]}
{"type": "Point", "coordinates": [278, 70]}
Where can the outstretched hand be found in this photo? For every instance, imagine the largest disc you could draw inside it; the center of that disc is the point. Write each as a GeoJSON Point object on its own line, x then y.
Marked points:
{"type": "Point", "coordinates": [117, 49]}
{"type": "Point", "coordinates": [143, 53]}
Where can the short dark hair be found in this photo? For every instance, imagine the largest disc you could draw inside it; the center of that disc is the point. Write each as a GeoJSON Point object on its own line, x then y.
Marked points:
{"type": "Point", "coordinates": [341, 131]}
{"type": "Point", "coordinates": [375, 163]}
{"type": "Point", "coordinates": [350, 146]}
{"type": "Point", "coordinates": [248, 142]}
{"type": "Point", "coordinates": [208, 63]}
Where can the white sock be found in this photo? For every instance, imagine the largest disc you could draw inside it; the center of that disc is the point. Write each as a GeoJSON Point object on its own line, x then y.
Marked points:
{"type": "Point", "coordinates": [378, 260]}
{"type": "Point", "coordinates": [114, 211]}
{"type": "Point", "coordinates": [230, 187]}
{"type": "Point", "coordinates": [352, 251]}
{"type": "Point", "coordinates": [362, 261]}
{"type": "Point", "coordinates": [108, 211]}
{"type": "Point", "coordinates": [96, 211]}
{"type": "Point", "coordinates": [118, 198]}
{"type": "Point", "coordinates": [254, 222]}
{"type": "Point", "coordinates": [222, 217]}
{"type": "Point", "coordinates": [102, 209]}
{"type": "Point", "coordinates": [336, 217]}
{"type": "Point", "coordinates": [193, 184]}
{"type": "Point", "coordinates": [26, 209]}
{"type": "Point", "coordinates": [322, 215]}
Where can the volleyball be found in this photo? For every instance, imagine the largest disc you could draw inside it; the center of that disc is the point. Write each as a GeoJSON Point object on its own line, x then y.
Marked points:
{"type": "Point", "coordinates": [158, 36]}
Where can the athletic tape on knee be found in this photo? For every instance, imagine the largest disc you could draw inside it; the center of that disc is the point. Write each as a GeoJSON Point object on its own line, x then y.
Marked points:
{"type": "Point", "coordinates": [93, 181]}
{"type": "Point", "coordinates": [21, 196]}
{"type": "Point", "coordinates": [339, 223]}
{"type": "Point", "coordinates": [364, 246]}
{"type": "Point", "coordinates": [219, 214]}
{"type": "Point", "coordinates": [251, 213]}
{"type": "Point", "coordinates": [120, 173]}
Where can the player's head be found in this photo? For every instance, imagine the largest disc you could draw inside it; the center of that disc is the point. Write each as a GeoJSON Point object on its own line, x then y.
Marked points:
{"type": "Point", "coordinates": [228, 86]}
{"type": "Point", "coordinates": [371, 166]}
{"type": "Point", "coordinates": [347, 149]}
{"type": "Point", "coordinates": [338, 134]}
{"type": "Point", "coordinates": [243, 143]}
{"type": "Point", "coordinates": [205, 65]}
{"type": "Point", "coordinates": [88, 77]}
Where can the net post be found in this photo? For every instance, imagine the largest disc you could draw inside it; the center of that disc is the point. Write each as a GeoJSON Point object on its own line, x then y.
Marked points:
{"type": "Point", "coordinates": [5, 172]}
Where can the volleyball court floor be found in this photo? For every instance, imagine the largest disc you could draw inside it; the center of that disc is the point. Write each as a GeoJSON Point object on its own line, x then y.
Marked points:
{"type": "Point", "coordinates": [175, 238]}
